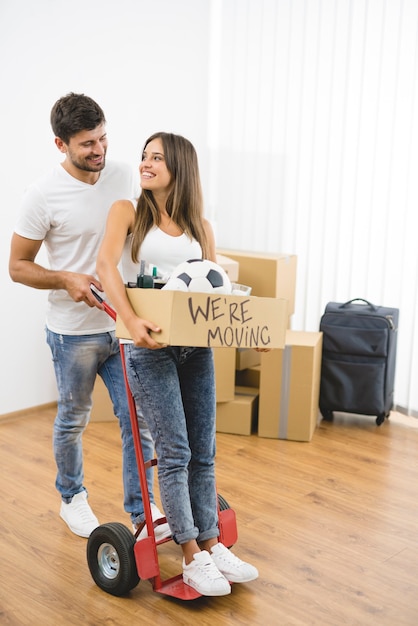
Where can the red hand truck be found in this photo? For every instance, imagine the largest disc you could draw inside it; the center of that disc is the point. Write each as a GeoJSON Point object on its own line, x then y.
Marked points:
{"type": "Point", "coordinates": [116, 558]}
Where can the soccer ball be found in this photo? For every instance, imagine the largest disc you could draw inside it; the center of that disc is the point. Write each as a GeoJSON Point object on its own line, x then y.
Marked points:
{"type": "Point", "coordinates": [199, 275]}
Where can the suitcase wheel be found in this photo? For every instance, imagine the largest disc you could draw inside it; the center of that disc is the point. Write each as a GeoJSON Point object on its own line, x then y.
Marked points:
{"type": "Point", "coordinates": [381, 418]}
{"type": "Point", "coordinates": [327, 414]}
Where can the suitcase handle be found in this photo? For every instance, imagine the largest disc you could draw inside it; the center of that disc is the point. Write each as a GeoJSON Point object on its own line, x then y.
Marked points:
{"type": "Point", "coordinates": [372, 306]}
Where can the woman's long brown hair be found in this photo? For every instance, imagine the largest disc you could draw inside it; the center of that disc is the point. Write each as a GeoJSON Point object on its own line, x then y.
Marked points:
{"type": "Point", "coordinates": [185, 201]}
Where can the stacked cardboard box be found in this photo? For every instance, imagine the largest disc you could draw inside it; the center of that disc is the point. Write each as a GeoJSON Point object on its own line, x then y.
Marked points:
{"type": "Point", "coordinates": [289, 388]}
{"type": "Point", "coordinates": [230, 266]}
{"type": "Point", "coordinates": [286, 379]}
{"type": "Point", "coordinates": [270, 276]}
{"type": "Point", "coordinates": [238, 416]}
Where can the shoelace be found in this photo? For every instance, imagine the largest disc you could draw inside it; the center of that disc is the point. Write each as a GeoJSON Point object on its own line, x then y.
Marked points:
{"type": "Point", "coordinates": [230, 559]}
{"type": "Point", "coordinates": [209, 570]}
{"type": "Point", "coordinates": [83, 509]}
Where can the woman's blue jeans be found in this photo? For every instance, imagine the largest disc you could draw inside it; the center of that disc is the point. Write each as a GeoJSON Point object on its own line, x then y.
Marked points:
{"type": "Point", "coordinates": [176, 389]}
{"type": "Point", "coordinates": [77, 360]}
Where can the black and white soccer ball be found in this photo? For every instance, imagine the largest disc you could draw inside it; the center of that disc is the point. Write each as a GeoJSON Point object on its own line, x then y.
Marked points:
{"type": "Point", "coordinates": [199, 275]}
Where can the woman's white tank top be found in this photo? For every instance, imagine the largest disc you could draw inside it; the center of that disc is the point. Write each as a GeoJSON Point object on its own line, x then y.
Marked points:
{"type": "Point", "coordinates": [161, 250]}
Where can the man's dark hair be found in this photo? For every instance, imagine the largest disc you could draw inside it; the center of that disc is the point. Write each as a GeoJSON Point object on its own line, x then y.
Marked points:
{"type": "Point", "coordinates": [73, 113]}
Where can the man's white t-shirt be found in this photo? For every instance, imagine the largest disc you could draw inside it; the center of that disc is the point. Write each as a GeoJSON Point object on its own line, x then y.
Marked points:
{"type": "Point", "coordinates": [70, 217]}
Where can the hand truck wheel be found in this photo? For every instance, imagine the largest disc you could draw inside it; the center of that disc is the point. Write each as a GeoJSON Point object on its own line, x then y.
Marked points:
{"type": "Point", "coordinates": [111, 558]}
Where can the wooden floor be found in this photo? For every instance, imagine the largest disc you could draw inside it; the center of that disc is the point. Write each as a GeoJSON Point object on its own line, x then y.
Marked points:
{"type": "Point", "coordinates": [332, 526]}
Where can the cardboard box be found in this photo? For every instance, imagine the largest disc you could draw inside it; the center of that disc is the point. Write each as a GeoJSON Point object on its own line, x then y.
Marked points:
{"type": "Point", "coordinates": [224, 374]}
{"type": "Point", "coordinates": [210, 320]}
{"type": "Point", "coordinates": [269, 275]}
{"type": "Point", "coordinates": [238, 417]}
{"type": "Point", "coordinates": [289, 388]}
{"type": "Point", "coordinates": [245, 358]}
{"type": "Point", "coordinates": [230, 266]}
{"type": "Point", "coordinates": [102, 409]}
{"type": "Point", "coordinates": [249, 377]}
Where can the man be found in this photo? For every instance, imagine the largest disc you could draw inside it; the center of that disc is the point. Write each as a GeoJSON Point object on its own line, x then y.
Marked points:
{"type": "Point", "coordinates": [66, 210]}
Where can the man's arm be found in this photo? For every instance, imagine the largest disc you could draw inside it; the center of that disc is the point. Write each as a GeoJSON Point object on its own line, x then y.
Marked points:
{"type": "Point", "coordinates": [23, 269]}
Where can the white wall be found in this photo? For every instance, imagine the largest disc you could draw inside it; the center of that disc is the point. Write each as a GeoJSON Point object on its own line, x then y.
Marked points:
{"type": "Point", "coordinates": [304, 116]}
{"type": "Point", "coordinates": [146, 65]}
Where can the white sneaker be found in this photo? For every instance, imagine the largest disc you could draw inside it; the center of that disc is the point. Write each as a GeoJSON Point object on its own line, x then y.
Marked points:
{"type": "Point", "coordinates": [234, 570]}
{"type": "Point", "coordinates": [161, 531]}
{"type": "Point", "coordinates": [78, 515]}
{"type": "Point", "coordinates": [203, 575]}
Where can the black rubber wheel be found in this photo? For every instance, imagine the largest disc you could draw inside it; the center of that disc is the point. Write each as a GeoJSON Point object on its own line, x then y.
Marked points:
{"type": "Point", "coordinates": [111, 559]}
{"type": "Point", "coordinates": [380, 419]}
{"type": "Point", "coordinates": [327, 415]}
{"type": "Point", "coordinates": [223, 504]}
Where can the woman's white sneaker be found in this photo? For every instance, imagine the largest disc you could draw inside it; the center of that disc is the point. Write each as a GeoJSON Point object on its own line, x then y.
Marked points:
{"type": "Point", "coordinates": [203, 575]}
{"type": "Point", "coordinates": [234, 570]}
{"type": "Point", "coordinates": [78, 515]}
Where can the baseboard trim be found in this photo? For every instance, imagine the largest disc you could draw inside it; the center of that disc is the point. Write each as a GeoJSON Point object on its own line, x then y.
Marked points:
{"type": "Point", "coordinates": [26, 412]}
{"type": "Point", "coordinates": [405, 411]}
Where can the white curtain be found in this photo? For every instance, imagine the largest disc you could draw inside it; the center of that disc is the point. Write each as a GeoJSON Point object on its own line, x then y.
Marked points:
{"type": "Point", "coordinates": [313, 137]}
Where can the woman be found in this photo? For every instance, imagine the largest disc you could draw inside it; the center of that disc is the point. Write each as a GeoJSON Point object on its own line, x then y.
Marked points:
{"type": "Point", "coordinates": [175, 386]}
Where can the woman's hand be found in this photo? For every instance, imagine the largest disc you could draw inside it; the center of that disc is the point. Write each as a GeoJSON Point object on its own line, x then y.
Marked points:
{"type": "Point", "coordinates": [140, 330]}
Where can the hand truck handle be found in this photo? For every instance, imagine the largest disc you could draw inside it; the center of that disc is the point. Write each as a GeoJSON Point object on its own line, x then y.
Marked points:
{"type": "Point", "coordinates": [107, 307]}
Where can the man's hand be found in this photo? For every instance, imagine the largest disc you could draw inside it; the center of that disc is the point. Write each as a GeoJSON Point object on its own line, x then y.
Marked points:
{"type": "Point", "coordinates": [78, 287]}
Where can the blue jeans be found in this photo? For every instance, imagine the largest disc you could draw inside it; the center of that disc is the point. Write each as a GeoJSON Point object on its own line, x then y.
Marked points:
{"type": "Point", "coordinates": [176, 388]}
{"type": "Point", "coordinates": [77, 360]}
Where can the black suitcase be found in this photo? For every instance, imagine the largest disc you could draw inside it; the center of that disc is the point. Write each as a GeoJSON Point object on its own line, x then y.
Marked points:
{"type": "Point", "coordinates": [358, 359]}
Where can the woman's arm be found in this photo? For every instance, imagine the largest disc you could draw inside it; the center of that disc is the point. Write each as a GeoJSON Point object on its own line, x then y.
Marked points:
{"type": "Point", "coordinates": [119, 223]}
{"type": "Point", "coordinates": [210, 239]}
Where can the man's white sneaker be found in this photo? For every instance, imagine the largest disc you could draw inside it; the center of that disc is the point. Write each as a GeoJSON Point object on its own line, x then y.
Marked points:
{"type": "Point", "coordinates": [234, 570]}
{"type": "Point", "coordinates": [78, 515]}
{"type": "Point", "coordinates": [161, 531]}
{"type": "Point", "coordinates": [203, 575]}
